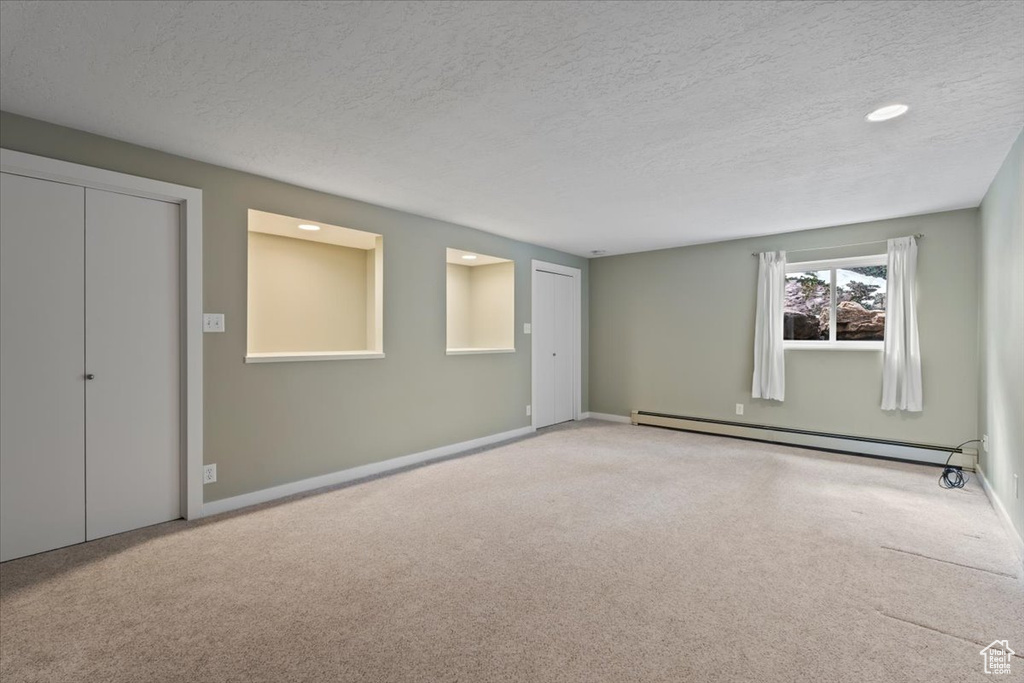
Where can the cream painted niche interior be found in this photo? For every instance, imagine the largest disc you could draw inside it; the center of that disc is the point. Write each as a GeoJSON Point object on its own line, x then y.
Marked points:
{"type": "Point", "coordinates": [315, 291]}
{"type": "Point", "coordinates": [481, 303]}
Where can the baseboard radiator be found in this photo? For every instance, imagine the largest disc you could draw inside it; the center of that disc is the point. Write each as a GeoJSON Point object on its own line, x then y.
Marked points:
{"type": "Point", "coordinates": [838, 443]}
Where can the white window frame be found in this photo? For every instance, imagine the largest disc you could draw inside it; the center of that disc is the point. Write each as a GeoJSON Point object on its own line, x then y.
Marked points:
{"type": "Point", "coordinates": [832, 265]}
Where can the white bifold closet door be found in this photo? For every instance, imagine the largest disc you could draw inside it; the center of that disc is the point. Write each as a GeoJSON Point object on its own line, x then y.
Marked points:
{"type": "Point", "coordinates": [42, 355]}
{"type": "Point", "coordinates": [132, 437]}
{"type": "Point", "coordinates": [89, 364]}
{"type": "Point", "coordinates": [553, 330]}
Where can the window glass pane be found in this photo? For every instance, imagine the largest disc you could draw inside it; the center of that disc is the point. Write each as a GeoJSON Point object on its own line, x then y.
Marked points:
{"type": "Point", "coordinates": [808, 297]}
{"type": "Point", "coordinates": [860, 303]}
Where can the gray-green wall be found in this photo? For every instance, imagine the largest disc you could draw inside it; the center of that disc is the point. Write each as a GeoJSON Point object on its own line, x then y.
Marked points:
{"type": "Point", "coordinates": [672, 331]}
{"type": "Point", "coordinates": [1001, 318]}
{"type": "Point", "coordinates": [269, 424]}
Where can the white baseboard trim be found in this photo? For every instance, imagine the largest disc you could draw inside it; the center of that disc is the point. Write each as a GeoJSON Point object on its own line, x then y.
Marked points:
{"type": "Point", "coordinates": [1015, 538]}
{"type": "Point", "coordinates": [608, 417]}
{"type": "Point", "coordinates": [216, 507]}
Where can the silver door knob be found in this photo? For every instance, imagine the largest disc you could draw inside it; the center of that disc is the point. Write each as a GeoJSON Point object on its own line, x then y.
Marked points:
{"type": "Point", "coordinates": [90, 376]}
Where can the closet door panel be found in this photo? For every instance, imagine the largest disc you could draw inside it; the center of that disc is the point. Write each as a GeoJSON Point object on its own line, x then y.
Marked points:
{"type": "Point", "coordinates": [132, 350]}
{"type": "Point", "coordinates": [564, 354]}
{"type": "Point", "coordinates": [42, 384]}
{"type": "Point", "coordinates": [544, 340]}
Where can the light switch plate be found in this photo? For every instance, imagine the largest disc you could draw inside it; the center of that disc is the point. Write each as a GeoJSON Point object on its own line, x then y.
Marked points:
{"type": "Point", "coordinates": [527, 328]}
{"type": "Point", "coordinates": [209, 473]}
{"type": "Point", "coordinates": [213, 322]}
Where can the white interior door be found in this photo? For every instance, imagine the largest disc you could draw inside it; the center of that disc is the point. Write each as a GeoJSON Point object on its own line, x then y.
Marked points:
{"type": "Point", "coordinates": [553, 319]}
{"type": "Point", "coordinates": [564, 358]}
{"type": "Point", "coordinates": [132, 354]}
{"type": "Point", "coordinates": [544, 348]}
{"type": "Point", "coordinates": [42, 384]}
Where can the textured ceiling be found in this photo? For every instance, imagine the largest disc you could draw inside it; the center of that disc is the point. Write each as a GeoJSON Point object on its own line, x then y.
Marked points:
{"type": "Point", "coordinates": [576, 125]}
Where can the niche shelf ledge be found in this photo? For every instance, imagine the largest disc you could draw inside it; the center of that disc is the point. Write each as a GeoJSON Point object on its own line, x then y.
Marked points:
{"type": "Point", "coordinates": [290, 356]}
{"type": "Point", "coordinates": [471, 351]}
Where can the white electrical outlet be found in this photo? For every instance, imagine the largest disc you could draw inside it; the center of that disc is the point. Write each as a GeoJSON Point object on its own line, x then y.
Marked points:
{"type": "Point", "coordinates": [984, 442]}
{"type": "Point", "coordinates": [213, 322]}
{"type": "Point", "coordinates": [529, 410]}
{"type": "Point", "coordinates": [739, 408]}
{"type": "Point", "coordinates": [527, 328]}
{"type": "Point", "coordinates": [209, 473]}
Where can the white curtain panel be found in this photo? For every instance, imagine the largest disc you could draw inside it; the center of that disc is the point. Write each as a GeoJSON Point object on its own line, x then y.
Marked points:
{"type": "Point", "coordinates": [769, 358]}
{"type": "Point", "coordinates": [901, 364]}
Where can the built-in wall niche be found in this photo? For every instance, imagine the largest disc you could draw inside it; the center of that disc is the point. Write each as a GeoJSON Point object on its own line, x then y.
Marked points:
{"type": "Point", "coordinates": [481, 303]}
{"type": "Point", "coordinates": [315, 291]}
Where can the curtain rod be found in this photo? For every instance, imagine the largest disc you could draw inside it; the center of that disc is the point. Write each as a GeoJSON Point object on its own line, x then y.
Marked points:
{"type": "Point", "coordinates": [839, 246]}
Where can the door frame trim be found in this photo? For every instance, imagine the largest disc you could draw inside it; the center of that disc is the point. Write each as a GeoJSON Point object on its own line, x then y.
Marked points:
{"type": "Point", "coordinates": [190, 264]}
{"type": "Point", "coordinates": [577, 326]}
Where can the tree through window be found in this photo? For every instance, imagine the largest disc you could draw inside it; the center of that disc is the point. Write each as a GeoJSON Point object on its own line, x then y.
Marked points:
{"type": "Point", "coordinates": [837, 301]}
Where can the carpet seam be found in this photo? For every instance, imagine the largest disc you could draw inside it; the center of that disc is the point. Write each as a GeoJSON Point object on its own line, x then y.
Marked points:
{"type": "Point", "coordinates": [955, 564]}
{"type": "Point", "coordinates": [935, 630]}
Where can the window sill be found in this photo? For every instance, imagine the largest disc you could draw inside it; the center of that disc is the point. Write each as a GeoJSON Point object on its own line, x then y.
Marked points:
{"type": "Point", "coordinates": [472, 351]}
{"type": "Point", "coordinates": [292, 356]}
{"type": "Point", "coordinates": [832, 346]}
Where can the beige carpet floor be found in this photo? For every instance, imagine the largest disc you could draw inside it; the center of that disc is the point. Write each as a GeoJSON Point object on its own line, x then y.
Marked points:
{"type": "Point", "coordinates": [602, 552]}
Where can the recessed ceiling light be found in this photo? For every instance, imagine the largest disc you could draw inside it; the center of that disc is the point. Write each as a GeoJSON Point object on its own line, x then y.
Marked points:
{"type": "Point", "coordinates": [889, 112]}
{"type": "Point", "coordinates": [307, 226]}
{"type": "Point", "coordinates": [469, 257]}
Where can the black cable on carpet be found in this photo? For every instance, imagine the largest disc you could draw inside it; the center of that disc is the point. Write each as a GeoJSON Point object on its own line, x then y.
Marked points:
{"type": "Point", "coordinates": [953, 476]}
